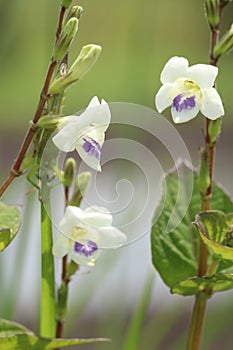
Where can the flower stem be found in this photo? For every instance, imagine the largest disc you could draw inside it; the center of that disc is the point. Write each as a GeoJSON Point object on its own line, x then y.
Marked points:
{"type": "Point", "coordinates": [15, 169]}
{"type": "Point", "coordinates": [198, 314]}
{"type": "Point", "coordinates": [63, 290]}
{"type": "Point", "coordinates": [47, 308]}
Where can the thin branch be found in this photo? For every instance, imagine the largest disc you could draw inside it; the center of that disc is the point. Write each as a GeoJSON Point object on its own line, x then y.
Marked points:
{"type": "Point", "coordinates": [15, 169]}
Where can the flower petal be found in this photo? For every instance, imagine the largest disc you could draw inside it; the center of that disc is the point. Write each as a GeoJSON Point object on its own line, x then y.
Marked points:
{"type": "Point", "coordinates": [73, 216]}
{"type": "Point", "coordinates": [111, 237]}
{"type": "Point", "coordinates": [60, 246]}
{"type": "Point", "coordinates": [203, 74]}
{"type": "Point", "coordinates": [97, 217]}
{"type": "Point", "coordinates": [175, 68]}
{"type": "Point", "coordinates": [96, 115]}
{"type": "Point", "coordinates": [90, 152]}
{"type": "Point", "coordinates": [164, 97]}
{"type": "Point", "coordinates": [184, 108]}
{"type": "Point", "coordinates": [94, 120]}
{"type": "Point", "coordinates": [66, 138]}
{"type": "Point", "coordinates": [82, 259]}
{"type": "Point", "coordinates": [212, 106]}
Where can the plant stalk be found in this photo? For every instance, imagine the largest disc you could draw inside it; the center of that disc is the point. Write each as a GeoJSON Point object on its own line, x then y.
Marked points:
{"type": "Point", "coordinates": [198, 314]}
{"type": "Point", "coordinates": [47, 308]}
{"type": "Point", "coordinates": [62, 301]}
{"type": "Point", "coordinates": [15, 169]}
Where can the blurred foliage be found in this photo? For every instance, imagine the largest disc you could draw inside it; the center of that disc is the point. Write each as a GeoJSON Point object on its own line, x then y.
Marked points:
{"type": "Point", "coordinates": [137, 39]}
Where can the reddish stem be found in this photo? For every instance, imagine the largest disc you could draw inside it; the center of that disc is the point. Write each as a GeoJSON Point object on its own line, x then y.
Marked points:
{"type": "Point", "coordinates": [15, 169]}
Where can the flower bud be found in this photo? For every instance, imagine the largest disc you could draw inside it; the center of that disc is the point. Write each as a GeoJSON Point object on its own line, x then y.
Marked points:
{"type": "Point", "coordinates": [75, 11]}
{"type": "Point", "coordinates": [72, 268]}
{"type": "Point", "coordinates": [84, 62]}
{"type": "Point", "coordinates": [214, 130]}
{"type": "Point", "coordinates": [69, 171]}
{"type": "Point", "coordinates": [212, 12]}
{"type": "Point", "coordinates": [66, 3]}
{"type": "Point", "coordinates": [82, 184]}
{"type": "Point", "coordinates": [204, 177]}
{"type": "Point", "coordinates": [68, 33]}
{"type": "Point", "coordinates": [225, 44]}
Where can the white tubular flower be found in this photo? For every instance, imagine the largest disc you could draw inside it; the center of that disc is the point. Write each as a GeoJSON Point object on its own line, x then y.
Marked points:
{"type": "Point", "coordinates": [84, 233]}
{"type": "Point", "coordinates": [189, 90]}
{"type": "Point", "coordinates": [85, 133]}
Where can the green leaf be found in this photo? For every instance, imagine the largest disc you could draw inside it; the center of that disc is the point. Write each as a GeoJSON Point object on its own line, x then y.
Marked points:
{"type": "Point", "coordinates": [215, 283]}
{"type": "Point", "coordinates": [11, 328]}
{"type": "Point", "coordinates": [174, 254]}
{"type": "Point", "coordinates": [10, 221]}
{"type": "Point", "coordinates": [215, 229]}
{"type": "Point", "coordinates": [17, 337]}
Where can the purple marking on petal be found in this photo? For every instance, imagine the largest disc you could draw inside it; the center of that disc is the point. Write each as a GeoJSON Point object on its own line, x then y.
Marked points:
{"type": "Point", "coordinates": [92, 147]}
{"type": "Point", "coordinates": [181, 103]}
{"type": "Point", "coordinates": [85, 249]}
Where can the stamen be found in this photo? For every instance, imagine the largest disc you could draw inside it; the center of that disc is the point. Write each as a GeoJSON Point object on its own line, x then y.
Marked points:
{"type": "Point", "coordinates": [85, 249]}
{"type": "Point", "coordinates": [181, 102]}
{"type": "Point", "coordinates": [92, 147]}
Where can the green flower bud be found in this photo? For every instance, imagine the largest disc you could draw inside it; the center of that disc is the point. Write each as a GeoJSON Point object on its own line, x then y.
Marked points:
{"type": "Point", "coordinates": [72, 268]}
{"type": "Point", "coordinates": [68, 33]}
{"type": "Point", "coordinates": [66, 3]}
{"type": "Point", "coordinates": [75, 11]}
{"type": "Point", "coordinates": [84, 62]}
{"type": "Point", "coordinates": [214, 129]}
{"type": "Point", "coordinates": [212, 12]}
{"type": "Point", "coordinates": [69, 170]}
{"type": "Point", "coordinates": [82, 184]}
{"type": "Point", "coordinates": [225, 44]}
{"type": "Point", "coordinates": [204, 177]}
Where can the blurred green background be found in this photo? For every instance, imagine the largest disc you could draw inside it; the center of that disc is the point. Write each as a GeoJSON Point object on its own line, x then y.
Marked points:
{"type": "Point", "coordinates": [137, 39]}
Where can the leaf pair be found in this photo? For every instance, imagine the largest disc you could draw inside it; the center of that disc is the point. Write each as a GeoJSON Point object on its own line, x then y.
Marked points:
{"type": "Point", "coordinates": [174, 254]}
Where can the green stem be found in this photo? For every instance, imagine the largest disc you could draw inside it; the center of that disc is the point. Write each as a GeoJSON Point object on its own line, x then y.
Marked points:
{"type": "Point", "coordinates": [196, 326]}
{"type": "Point", "coordinates": [198, 315]}
{"type": "Point", "coordinates": [47, 308]}
{"type": "Point", "coordinates": [63, 290]}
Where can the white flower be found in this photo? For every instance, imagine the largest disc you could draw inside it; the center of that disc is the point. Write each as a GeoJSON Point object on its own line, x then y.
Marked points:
{"type": "Point", "coordinates": [189, 90]}
{"type": "Point", "coordinates": [84, 233]}
{"type": "Point", "coordinates": [85, 133]}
